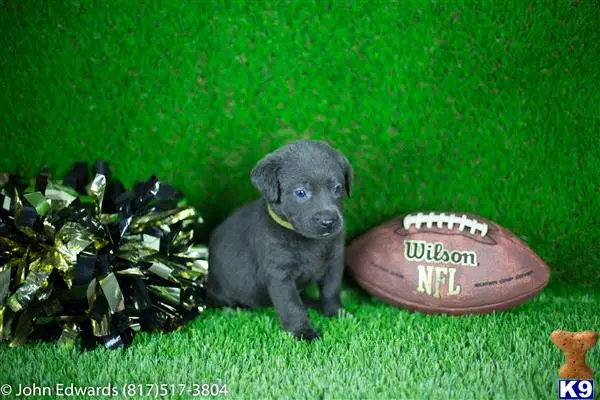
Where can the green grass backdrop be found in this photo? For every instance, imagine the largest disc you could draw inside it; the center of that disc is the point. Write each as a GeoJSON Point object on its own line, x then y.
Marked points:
{"type": "Point", "coordinates": [485, 107]}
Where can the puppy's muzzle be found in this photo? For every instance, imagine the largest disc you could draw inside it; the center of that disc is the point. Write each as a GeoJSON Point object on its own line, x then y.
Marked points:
{"type": "Point", "coordinates": [326, 221]}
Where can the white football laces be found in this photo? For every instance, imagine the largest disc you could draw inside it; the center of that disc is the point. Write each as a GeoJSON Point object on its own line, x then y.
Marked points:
{"type": "Point", "coordinates": [449, 220]}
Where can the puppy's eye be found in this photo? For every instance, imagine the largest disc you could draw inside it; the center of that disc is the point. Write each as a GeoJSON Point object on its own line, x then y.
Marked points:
{"type": "Point", "coordinates": [337, 189]}
{"type": "Point", "coordinates": [300, 193]}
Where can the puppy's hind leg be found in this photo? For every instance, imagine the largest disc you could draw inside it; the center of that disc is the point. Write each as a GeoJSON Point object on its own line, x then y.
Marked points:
{"type": "Point", "coordinates": [215, 299]}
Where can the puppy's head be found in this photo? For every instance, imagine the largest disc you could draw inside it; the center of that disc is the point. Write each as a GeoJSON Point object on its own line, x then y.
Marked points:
{"type": "Point", "coordinates": [305, 183]}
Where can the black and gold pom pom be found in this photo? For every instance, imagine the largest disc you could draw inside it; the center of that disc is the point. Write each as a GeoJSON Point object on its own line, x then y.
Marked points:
{"type": "Point", "coordinates": [88, 260]}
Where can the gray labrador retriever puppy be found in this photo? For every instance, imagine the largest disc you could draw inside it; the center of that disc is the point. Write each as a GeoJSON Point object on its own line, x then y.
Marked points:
{"type": "Point", "coordinates": [269, 250]}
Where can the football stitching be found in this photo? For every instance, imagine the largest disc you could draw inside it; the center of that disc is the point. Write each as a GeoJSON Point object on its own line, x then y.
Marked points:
{"type": "Point", "coordinates": [449, 220]}
{"type": "Point", "coordinates": [387, 270]}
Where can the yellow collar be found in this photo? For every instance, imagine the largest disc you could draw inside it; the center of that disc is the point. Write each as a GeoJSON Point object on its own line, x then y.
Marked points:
{"type": "Point", "coordinates": [278, 219]}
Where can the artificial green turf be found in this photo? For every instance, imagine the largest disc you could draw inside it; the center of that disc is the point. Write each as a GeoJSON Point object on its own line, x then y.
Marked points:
{"type": "Point", "coordinates": [487, 107]}
{"type": "Point", "coordinates": [379, 352]}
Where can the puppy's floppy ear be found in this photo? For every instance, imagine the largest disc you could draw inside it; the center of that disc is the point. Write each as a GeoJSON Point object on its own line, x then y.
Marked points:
{"type": "Point", "coordinates": [348, 172]}
{"type": "Point", "coordinates": [264, 177]}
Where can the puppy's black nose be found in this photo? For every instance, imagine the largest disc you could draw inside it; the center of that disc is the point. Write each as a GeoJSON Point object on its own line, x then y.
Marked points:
{"type": "Point", "coordinates": [325, 220]}
{"type": "Point", "coordinates": [326, 223]}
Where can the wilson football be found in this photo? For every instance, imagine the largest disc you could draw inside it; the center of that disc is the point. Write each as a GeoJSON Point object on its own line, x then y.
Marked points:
{"type": "Point", "coordinates": [446, 263]}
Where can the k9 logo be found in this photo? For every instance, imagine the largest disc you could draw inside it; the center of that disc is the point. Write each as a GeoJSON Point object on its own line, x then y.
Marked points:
{"type": "Point", "coordinates": [575, 389]}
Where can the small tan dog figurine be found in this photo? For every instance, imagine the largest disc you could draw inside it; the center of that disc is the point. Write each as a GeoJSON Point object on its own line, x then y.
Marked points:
{"type": "Point", "coordinates": [574, 346]}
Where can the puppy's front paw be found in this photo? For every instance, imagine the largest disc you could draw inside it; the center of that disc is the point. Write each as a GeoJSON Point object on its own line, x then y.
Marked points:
{"type": "Point", "coordinates": [307, 333]}
{"type": "Point", "coordinates": [331, 308]}
{"type": "Point", "coordinates": [331, 311]}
